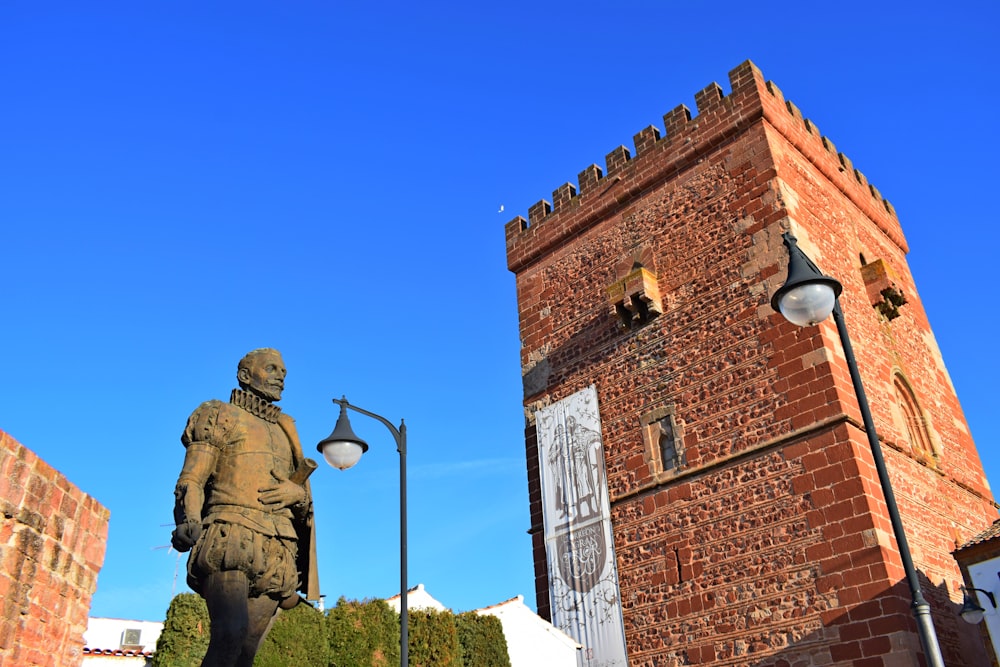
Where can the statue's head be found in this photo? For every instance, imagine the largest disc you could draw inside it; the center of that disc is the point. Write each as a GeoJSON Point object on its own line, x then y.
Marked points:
{"type": "Point", "coordinates": [262, 372]}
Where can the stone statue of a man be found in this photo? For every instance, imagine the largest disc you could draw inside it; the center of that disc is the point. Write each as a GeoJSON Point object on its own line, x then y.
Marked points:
{"type": "Point", "coordinates": [244, 510]}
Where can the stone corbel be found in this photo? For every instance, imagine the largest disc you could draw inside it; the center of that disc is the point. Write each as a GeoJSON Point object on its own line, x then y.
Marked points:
{"type": "Point", "coordinates": [635, 299]}
{"type": "Point", "coordinates": [883, 292]}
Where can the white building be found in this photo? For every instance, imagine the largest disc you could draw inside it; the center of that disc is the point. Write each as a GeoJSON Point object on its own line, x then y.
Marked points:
{"type": "Point", "coordinates": [110, 642]}
{"type": "Point", "coordinates": [416, 598]}
{"type": "Point", "coordinates": [531, 640]}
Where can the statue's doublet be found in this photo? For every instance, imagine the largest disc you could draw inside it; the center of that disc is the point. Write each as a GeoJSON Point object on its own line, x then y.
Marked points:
{"type": "Point", "coordinates": [254, 451]}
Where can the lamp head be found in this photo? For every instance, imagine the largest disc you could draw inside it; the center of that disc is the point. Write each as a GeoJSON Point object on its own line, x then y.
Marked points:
{"type": "Point", "coordinates": [808, 296]}
{"type": "Point", "coordinates": [342, 448]}
{"type": "Point", "coordinates": [971, 612]}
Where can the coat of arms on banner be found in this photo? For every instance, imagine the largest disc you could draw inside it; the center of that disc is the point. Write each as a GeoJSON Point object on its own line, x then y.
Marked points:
{"type": "Point", "coordinates": [583, 576]}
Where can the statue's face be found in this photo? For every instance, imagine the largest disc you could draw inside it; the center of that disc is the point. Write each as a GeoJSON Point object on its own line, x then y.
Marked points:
{"type": "Point", "coordinates": [264, 376]}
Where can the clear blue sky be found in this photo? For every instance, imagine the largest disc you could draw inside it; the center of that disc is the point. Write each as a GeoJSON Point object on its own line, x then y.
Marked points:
{"type": "Point", "coordinates": [182, 182]}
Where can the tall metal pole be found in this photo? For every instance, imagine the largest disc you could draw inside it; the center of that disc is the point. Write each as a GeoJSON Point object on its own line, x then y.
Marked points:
{"type": "Point", "coordinates": [404, 611]}
{"type": "Point", "coordinates": [921, 610]}
{"type": "Point", "coordinates": [399, 435]}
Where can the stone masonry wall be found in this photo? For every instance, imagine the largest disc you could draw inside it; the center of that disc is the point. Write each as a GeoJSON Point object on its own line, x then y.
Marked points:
{"type": "Point", "coordinates": [943, 495]}
{"type": "Point", "coordinates": [770, 544]}
{"type": "Point", "coordinates": [52, 545]}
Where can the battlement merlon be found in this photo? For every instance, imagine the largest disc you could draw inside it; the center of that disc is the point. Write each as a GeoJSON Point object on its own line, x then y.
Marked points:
{"type": "Point", "coordinates": [686, 139]}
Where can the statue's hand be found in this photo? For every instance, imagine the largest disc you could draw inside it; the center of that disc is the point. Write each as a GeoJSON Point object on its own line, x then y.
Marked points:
{"type": "Point", "coordinates": [185, 535]}
{"type": "Point", "coordinates": [283, 493]}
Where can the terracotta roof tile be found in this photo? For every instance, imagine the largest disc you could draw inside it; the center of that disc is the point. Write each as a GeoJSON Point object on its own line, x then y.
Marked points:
{"type": "Point", "coordinates": [990, 533]}
{"type": "Point", "coordinates": [117, 652]}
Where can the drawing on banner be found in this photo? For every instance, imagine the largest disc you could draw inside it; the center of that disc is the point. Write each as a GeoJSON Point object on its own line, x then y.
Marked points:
{"type": "Point", "coordinates": [572, 459]}
{"type": "Point", "coordinates": [581, 558]}
{"type": "Point", "coordinates": [583, 577]}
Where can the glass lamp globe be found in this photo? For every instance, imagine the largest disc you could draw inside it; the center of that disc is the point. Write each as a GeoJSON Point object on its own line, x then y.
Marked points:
{"type": "Point", "coordinates": [342, 448]}
{"type": "Point", "coordinates": [807, 297]}
{"type": "Point", "coordinates": [973, 616]}
{"type": "Point", "coordinates": [808, 303]}
{"type": "Point", "coordinates": [341, 454]}
{"type": "Point", "coordinates": [971, 612]}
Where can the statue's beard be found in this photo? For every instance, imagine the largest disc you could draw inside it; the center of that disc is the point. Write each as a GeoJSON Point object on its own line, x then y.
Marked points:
{"type": "Point", "coordinates": [270, 394]}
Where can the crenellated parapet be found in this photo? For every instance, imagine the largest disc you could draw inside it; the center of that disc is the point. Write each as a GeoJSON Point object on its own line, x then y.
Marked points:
{"type": "Point", "coordinates": [821, 151]}
{"type": "Point", "coordinates": [686, 139]}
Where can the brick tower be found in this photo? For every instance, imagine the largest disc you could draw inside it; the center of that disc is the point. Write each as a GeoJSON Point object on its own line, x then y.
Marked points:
{"type": "Point", "coordinates": [748, 524]}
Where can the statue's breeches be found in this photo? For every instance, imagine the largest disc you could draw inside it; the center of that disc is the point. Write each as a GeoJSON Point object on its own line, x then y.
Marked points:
{"type": "Point", "coordinates": [267, 561]}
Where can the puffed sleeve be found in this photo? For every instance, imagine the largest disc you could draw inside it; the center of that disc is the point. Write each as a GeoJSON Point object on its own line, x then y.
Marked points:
{"type": "Point", "coordinates": [209, 424]}
{"type": "Point", "coordinates": [203, 437]}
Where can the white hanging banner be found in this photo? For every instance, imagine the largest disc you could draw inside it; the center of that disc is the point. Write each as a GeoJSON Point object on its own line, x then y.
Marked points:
{"type": "Point", "coordinates": [579, 545]}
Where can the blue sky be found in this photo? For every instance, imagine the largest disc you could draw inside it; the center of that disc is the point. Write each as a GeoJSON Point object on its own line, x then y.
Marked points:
{"type": "Point", "coordinates": [182, 182]}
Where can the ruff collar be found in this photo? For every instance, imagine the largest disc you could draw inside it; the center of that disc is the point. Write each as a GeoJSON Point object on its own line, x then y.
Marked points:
{"type": "Point", "coordinates": [255, 405]}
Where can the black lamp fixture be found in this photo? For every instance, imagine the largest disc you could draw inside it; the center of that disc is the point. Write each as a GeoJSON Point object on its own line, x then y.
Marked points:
{"type": "Point", "coordinates": [971, 612]}
{"type": "Point", "coordinates": [808, 297]}
{"type": "Point", "coordinates": [342, 449]}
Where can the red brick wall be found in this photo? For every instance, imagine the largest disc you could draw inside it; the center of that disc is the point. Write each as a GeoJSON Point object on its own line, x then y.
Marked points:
{"type": "Point", "coordinates": [771, 544]}
{"type": "Point", "coordinates": [52, 545]}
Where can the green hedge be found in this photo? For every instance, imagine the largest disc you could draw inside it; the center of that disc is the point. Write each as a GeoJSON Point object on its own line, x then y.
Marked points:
{"type": "Point", "coordinates": [434, 639]}
{"type": "Point", "coordinates": [184, 638]}
{"type": "Point", "coordinates": [297, 639]}
{"type": "Point", "coordinates": [482, 639]}
{"type": "Point", "coordinates": [353, 634]}
{"type": "Point", "coordinates": [363, 634]}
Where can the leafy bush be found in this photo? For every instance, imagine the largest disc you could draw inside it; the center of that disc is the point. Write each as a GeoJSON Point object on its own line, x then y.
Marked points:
{"type": "Point", "coordinates": [363, 634]}
{"type": "Point", "coordinates": [353, 634]}
{"type": "Point", "coordinates": [185, 635]}
{"type": "Point", "coordinates": [482, 639]}
{"type": "Point", "coordinates": [434, 639]}
{"type": "Point", "coordinates": [297, 639]}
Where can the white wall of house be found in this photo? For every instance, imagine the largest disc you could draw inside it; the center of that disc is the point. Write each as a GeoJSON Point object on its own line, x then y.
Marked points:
{"type": "Point", "coordinates": [531, 640]}
{"type": "Point", "coordinates": [110, 634]}
{"type": "Point", "coordinates": [416, 598]}
{"type": "Point", "coordinates": [985, 575]}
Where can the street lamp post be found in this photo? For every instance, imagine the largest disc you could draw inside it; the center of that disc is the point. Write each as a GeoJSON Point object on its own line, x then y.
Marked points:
{"type": "Point", "coordinates": [342, 449]}
{"type": "Point", "coordinates": [808, 297]}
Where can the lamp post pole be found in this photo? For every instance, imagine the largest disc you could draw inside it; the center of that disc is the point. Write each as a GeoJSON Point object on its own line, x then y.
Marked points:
{"type": "Point", "coordinates": [803, 277]}
{"type": "Point", "coordinates": [921, 609]}
{"type": "Point", "coordinates": [342, 449]}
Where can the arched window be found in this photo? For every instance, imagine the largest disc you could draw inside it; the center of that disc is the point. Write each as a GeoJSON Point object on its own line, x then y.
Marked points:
{"type": "Point", "coordinates": [663, 438]}
{"type": "Point", "coordinates": [913, 418]}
